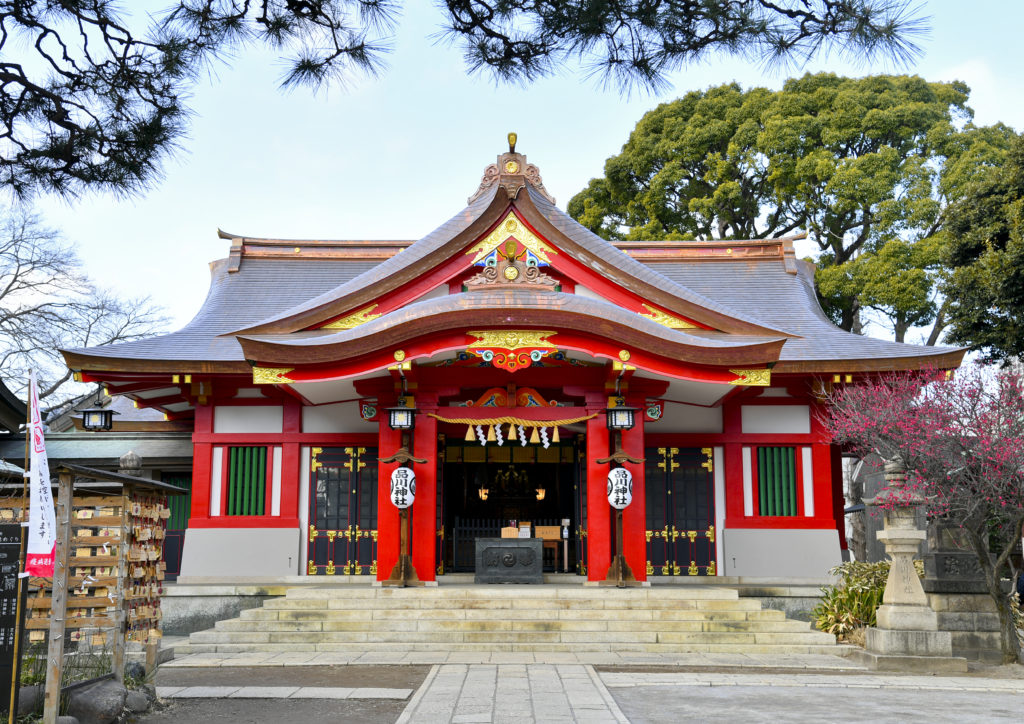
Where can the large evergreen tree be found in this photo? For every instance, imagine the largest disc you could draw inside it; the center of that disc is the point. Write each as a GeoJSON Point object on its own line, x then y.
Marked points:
{"type": "Point", "coordinates": [93, 95]}
{"type": "Point", "coordinates": [866, 166]}
{"type": "Point", "coordinates": [986, 252]}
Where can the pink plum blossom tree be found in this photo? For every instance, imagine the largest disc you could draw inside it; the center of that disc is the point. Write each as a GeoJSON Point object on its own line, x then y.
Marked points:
{"type": "Point", "coordinates": [961, 439]}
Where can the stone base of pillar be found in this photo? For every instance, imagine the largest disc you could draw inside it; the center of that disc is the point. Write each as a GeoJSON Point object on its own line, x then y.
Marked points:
{"type": "Point", "coordinates": [909, 651]}
{"type": "Point", "coordinates": [909, 664]}
{"type": "Point", "coordinates": [906, 618]}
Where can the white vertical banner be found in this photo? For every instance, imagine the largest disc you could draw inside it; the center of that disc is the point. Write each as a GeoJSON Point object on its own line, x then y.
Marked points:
{"type": "Point", "coordinates": [42, 526]}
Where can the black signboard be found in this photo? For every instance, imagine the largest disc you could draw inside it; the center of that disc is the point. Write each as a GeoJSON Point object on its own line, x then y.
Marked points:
{"type": "Point", "coordinates": [10, 549]}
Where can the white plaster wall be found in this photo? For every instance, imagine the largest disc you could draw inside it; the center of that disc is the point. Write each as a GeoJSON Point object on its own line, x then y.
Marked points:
{"type": "Point", "coordinates": [275, 481]}
{"type": "Point", "coordinates": [784, 553]}
{"type": "Point", "coordinates": [583, 291]}
{"type": "Point", "coordinates": [216, 478]}
{"type": "Point", "coordinates": [776, 419]}
{"type": "Point", "coordinates": [338, 417]}
{"type": "Point", "coordinates": [688, 418]}
{"type": "Point", "coordinates": [248, 418]}
{"type": "Point", "coordinates": [304, 460]}
{"type": "Point", "coordinates": [233, 553]}
{"type": "Point", "coordinates": [807, 473]}
{"type": "Point", "coordinates": [748, 482]}
{"type": "Point", "coordinates": [719, 473]}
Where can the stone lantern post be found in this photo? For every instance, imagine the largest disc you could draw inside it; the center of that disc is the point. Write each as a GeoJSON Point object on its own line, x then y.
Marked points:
{"type": "Point", "coordinates": [906, 637]}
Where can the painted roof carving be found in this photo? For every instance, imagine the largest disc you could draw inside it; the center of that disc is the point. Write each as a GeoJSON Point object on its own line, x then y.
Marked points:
{"type": "Point", "coordinates": [716, 303]}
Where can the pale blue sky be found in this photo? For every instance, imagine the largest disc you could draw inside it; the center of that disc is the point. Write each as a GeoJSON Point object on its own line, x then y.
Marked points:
{"type": "Point", "coordinates": [393, 157]}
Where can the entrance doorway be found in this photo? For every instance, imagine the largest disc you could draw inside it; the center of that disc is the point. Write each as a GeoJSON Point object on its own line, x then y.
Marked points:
{"type": "Point", "coordinates": [487, 487]}
{"type": "Point", "coordinates": [680, 512]}
{"type": "Point", "coordinates": [342, 534]}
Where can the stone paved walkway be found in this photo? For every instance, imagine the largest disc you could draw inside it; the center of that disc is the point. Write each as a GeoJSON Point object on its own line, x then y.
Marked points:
{"type": "Point", "coordinates": [512, 693]}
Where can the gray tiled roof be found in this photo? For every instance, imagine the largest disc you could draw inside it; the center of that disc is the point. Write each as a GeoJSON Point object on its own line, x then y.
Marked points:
{"type": "Point", "coordinates": [409, 256]}
{"type": "Point", "coordinates": [617, 258]}
{"type": "Point", "coordinates": [758, 292]}
{"type": "Point", "coordinates": [105, 448]}
{"type": "Point", "coordinates": [763, 289]}
{"type": "Point", "coordinates": [260, 288]}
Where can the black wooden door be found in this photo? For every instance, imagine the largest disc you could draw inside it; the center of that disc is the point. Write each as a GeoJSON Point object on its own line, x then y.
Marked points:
{"type": "Point", "coordinates": [680, 511]}
{"type": "Point", "coordinates": [343, 511]}
{"type": "Point", "coordinates": [580, 504]}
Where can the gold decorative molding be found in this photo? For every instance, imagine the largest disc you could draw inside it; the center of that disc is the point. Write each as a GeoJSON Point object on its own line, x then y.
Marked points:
{"type": "Point", "coordinates": [399, 355]}
{"type": "Point", "coordinates": [512, 339]}
{"type": "Point", "coordinates": [354, 320]}
{"type": "Point", "coordinates": [753, 378]}
{"type": "Point", "coordinates": [271, 375]}
{"type": "Point", "coordinates": [511, 226]}
{"type": "Point", "coordinates": [666, 319]}
{"type": "Point", "coordinates": [624, 355]}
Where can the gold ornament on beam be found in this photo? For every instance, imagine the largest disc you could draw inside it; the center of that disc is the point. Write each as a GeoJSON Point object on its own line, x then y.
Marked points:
{"type": "Point", "coordinates": [666, 319]}
{"type": "Point", "coordinates": [354, 320]}
{"type": "Point", "coordinates": [271, 375]}
{"type": "Point", "coordinates": [752, 378]}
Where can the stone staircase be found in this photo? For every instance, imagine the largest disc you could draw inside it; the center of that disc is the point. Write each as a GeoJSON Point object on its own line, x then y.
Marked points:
{"type": "Point", "coordinates": [659, 619]}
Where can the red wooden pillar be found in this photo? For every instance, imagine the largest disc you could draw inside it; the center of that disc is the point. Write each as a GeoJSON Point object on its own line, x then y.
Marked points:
{"type": "Point", "coordinates": [732, 430]}
{"type": "Point", "coordinates": [290, 465]}
{"type": "Point", "coordinates": [202, 463]}
{"type": "Point", "coordinates": [599, 513]}
{"type": "Point", "coordinates": [388, 442]}
{"type": "Point", "coordinates": [424, 508]}
{"type": "Point", "coordinates": [634, 517]}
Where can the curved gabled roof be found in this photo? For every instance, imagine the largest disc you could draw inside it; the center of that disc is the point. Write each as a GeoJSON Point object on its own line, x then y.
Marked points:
{"type": "Point", "coordinates": [262, 298]}
{"type": "Point", "coordinates": [390, 274]}
{"type": "Point", "coordinates": [483, 212]}
{"type": "Point", "coordinates": [516, 308]}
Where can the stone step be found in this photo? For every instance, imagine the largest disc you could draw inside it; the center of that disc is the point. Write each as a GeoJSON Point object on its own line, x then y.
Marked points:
{"type": "Point", "coordinates": [511, 618]}
{"type": "Point", "coordinates": [553, 604]}
{"type": "Point", "coordinates": [512, 591]}
{"type": "Point", "coordinates": [355, 614]}
{"type": "Point", "coordinates": [509, 636]}
{"type": "Point", "coordinates": [236, 625]}
{"type": "Point", "coordinates": [484, 648]}
{"type": "Point", "coordinates": [473, 626]}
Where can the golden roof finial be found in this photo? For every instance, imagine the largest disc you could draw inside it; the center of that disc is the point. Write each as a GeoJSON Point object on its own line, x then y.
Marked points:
{"type": "Point", "coordinates": [512, 142]}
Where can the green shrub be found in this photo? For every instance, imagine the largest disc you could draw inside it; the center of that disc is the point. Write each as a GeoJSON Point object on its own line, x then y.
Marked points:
{"type": "Point", "coordinates": [852, 602]}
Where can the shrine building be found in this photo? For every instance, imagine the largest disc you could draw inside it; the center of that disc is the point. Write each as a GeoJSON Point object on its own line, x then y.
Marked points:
{"type": "Point", "coordinates": [531, 357]}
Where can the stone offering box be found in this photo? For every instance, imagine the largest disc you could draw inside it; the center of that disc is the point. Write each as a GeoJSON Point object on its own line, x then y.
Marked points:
{"type": "Point", "coordinates": [509, 560]}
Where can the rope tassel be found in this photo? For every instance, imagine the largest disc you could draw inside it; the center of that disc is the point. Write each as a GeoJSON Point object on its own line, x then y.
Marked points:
{"type": "Point", "coordinates": [554, 435]}
{"type": "Point", "coordinates": [490, 433]}
{"type": "Point", "coordinates": [534, 437]}
{"type": "Point", "coordinates": [470, 434]}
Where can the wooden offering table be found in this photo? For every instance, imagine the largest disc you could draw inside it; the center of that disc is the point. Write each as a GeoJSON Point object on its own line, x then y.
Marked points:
{"type": "Point", "coordinates": [509, 560]}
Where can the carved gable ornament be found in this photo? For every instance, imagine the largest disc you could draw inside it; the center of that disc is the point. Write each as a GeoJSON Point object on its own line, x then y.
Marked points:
{"type": "Point", "coordinates": [512, 227]}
